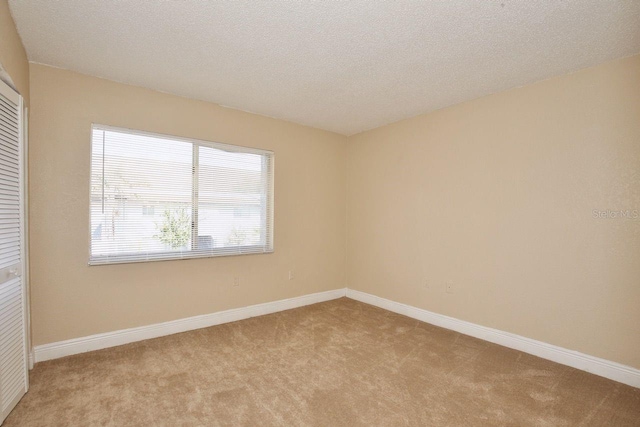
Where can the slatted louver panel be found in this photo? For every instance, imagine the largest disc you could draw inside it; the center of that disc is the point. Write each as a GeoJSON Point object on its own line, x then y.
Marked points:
{"type": "Point", "coordinates": [12, 355]}
{"type": "Point", "coordinates": [13, 363]}
{"type": "Point", "coordinates": [9, 184]}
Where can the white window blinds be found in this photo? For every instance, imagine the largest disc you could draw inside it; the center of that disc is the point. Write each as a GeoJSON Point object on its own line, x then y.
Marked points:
{"type": "Point", "coordinates": [156, 197]}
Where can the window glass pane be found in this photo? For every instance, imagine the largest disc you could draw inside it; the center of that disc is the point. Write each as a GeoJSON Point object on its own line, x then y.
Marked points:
{"type": "Point", "coordinates": [231, 199]}
{"type": "Point", "coordinates": [141, 198]}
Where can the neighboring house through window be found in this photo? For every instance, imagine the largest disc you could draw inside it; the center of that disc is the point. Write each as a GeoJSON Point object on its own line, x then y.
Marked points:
{"type": "Point", "coordinates": [148, 210]}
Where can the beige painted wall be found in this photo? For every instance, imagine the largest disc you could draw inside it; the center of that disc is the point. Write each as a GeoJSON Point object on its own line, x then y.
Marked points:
{"type": "Point", "coordinates": [13, 58]}
{"type": "Point", "coordinates": [71, 299]}
{"type": "Point", "coordinates": [497, 195]}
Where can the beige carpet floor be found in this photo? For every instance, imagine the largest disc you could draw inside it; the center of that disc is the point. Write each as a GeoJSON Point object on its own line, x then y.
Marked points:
{"type": "Point", "coordinates": [339, 363]}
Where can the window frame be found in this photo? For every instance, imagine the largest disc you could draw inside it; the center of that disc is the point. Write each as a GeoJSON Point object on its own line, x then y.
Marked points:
{"type": "Point", "coordinates": [268, 207]}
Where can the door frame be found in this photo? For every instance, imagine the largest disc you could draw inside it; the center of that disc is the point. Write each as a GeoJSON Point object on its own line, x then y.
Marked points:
{"type": "Point", "coordinates": [24, 198]}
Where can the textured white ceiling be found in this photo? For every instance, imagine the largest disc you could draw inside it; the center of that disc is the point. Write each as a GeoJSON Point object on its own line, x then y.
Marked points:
{"type": "Point", "coordinates": [340, 66]}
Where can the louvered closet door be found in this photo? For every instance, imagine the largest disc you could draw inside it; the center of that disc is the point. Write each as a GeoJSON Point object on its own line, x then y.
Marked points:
{"type": "Point", "coordinates": [13, 353]}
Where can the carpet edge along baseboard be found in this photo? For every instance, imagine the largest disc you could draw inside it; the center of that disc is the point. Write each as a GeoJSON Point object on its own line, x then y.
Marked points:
{"type": "Point", "coordinates": [602, 367]}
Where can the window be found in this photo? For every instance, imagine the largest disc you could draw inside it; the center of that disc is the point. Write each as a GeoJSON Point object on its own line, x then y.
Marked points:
{"type": "Point", "coordinates": [156, 197]}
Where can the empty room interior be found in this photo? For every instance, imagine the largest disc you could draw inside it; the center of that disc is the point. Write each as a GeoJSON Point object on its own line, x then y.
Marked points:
{"type": "Point", "coordinates": [319, 213]}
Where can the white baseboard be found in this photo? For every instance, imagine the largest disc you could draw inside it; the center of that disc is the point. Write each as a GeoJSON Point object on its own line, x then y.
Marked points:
{"type": "Point", "coordinates": [125, 336]}
{"type": "Point", "coordinates": [604, 368]}
{"type": "Point", "coordinates": [594, 365]}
